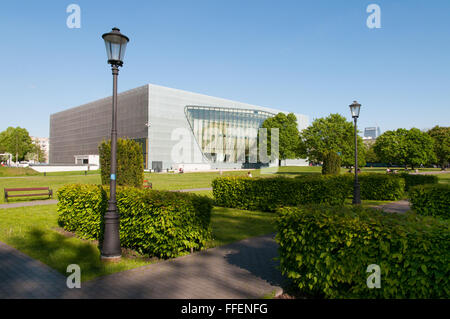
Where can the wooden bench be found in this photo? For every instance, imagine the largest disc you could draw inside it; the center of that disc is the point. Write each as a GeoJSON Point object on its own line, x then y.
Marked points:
{"type": "Point", "coordinates": [48, 192]}
{"type": "Point", "coordinates": [147, 184]}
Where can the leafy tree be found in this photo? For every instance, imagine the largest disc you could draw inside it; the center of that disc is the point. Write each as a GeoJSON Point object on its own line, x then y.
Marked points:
{"type": "Point", "coordinates": [332, 134]}
{"type": "Point", "coordinates": [420, 148]}
{"type": "Point", "coordinates": [289, 136]}
{"type": "Point", "coordinates": [441, 137]}
{"type": "Point", "coordinates": [371, 156]}
{"type": "Point", "coordinates": [404, 147]}
{"type": "Point", "coordinates": [17, 141]}
{"type": "Point", "coordinates": [36, 153]}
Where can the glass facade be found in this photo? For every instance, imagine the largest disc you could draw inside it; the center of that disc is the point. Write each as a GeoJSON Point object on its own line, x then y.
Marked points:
{"type": "Point", "coordinates": [225, 134]}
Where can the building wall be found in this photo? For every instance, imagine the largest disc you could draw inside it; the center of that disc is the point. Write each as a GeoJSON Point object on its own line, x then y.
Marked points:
{"type": "Point", "coordinates": [79, 130]}
{"type": "Point", "coordinates": [168, 124]}
{"type": "Point", "coordinates": [151, 113]}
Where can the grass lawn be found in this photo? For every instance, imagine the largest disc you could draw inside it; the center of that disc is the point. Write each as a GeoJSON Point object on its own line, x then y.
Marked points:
{"type": "Point", "coordinates": [165, 181]}
{"type": "Point", "coordinates": [444, 178]}
{"type": "Point", "coordinates": [54, 182]}
{"type": "Point", "coordinates": [32, 230]}
{"type": "Point", "coordinates": [17, 171]}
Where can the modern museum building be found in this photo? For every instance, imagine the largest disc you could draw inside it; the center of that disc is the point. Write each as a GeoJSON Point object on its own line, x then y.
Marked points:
{"type": "Point", "coordinates": [175, 128]}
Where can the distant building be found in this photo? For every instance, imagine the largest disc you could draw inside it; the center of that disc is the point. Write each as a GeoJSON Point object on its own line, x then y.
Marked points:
{"type": "Point", "coordinates": [175, 128]}
{"type": "Point", "coordinates": [44, 143]}
{"type": "Point", "coordinates": [372, 132]}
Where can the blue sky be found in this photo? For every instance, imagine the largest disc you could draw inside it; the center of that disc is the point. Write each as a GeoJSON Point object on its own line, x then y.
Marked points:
{"type": "Point", "coordinates": [309, 57]}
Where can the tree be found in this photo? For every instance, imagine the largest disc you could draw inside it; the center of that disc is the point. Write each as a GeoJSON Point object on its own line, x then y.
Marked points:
{"type": "Point", "coordinates": [441, 137]}
{"type": "Point", "coordinates": [404, 147]}
{"type": "Point", "coordinates": [332, 134]}
{"type": "Point", "coordinates": [36, 153]}
{"type": "Point", "coordinates": [16, 141]}
{"type": "Point", "coordinates": [370, 155]}
{"type": "Point", "coordinates": [289, 136]}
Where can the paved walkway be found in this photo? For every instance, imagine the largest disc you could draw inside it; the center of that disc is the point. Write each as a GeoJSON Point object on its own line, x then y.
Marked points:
{"type": "Point", "coordinates": [401, 206]}
{"type": "Point", "coordinates": [244, 269]}
{"type": "Point", "coordinates": [31, 203]}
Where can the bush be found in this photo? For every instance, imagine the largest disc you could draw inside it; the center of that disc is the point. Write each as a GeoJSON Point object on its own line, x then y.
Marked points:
{"type": "Point", "coordinates": [268, 193]}
{"type": "Point", "coordinates": [331, 164]}
{"type": "Point", "coordinates": [413, 180]}
{"type": "Point", "coordinates": [130, 162]}
{"type": "Point", "coordinates": [381, 187]}
{"type": "Point", "coordinates": [326, 252]}
{"type": "Point", "coordinates": [431, 200]}
{"type": "Point", "coordinates": [155, 223]}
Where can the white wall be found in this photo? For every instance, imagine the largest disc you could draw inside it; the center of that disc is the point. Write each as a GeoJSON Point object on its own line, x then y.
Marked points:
{"type": "Point", "coordinates": [68, 168]}
{"type": "Point", "coordinates": [166, 114]}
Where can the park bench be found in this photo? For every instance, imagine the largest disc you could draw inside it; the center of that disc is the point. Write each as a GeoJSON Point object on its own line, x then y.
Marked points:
{"type": "Point", "coordinates": [48, 192]}
{"type": "Point", "coordinates": [147, 184]}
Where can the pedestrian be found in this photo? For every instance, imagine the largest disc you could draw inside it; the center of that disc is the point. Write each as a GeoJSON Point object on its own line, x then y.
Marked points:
{"type": "Point", "coordinates": [249, 174]}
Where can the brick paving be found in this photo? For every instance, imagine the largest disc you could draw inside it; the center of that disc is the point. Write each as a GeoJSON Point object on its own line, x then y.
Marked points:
{"type": "Point", "coordinates": [24, 277]}
{"type": "Point", "coordinates": [244, 269]}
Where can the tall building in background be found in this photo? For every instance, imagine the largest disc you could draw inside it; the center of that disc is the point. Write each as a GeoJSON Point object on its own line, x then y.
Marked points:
{"type": "Point", "coordinates": [175, 128]}
{"type": "Point", "coordinates": [44, 143]}
{"type": "Point", "coordinates": [372, 132]}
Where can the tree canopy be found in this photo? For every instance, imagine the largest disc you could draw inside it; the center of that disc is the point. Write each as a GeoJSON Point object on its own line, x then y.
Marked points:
{"type": "Point", "coordinates": [331, 134]}
{"type": "Point", "coordinates": [405, 147]}
{"type": "Point", "coordinates": [441, 137]}
{"type": "Point", "coordinates": [289, 135]}
{"type": "Point", "coordinates": [17, 141]}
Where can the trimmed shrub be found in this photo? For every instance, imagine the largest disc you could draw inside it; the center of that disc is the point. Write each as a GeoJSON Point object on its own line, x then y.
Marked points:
{"type": "Point", "coordinates": [326, 252]}
{"type": "Point", "coordinates": [268, 193]}
{"type": "Point", "coordinates": [80, 208]}
{"type": "Point", "coordinates": [331, 164]}
{"type": "Point", "coordinates": [431, 200]}
{"type": "Point", "coordinates": [381, 187]}
{"type": "Point", "coordinates": [155, 223]}
{"type": "Point", "coordinates": [130, 162]}
{"type": "Point", "coordinates": [413, 179]}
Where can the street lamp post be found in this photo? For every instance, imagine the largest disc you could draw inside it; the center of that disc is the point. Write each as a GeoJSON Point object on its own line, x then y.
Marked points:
{"type": "Point", "coordinates": [354, 109]}
{"type": "Point", "coordinates": [115, 43]}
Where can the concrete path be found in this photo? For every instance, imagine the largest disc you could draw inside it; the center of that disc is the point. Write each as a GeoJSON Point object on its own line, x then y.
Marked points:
{"type": "Point", "coordinates": [244, 269]}
{"type": "Point", "coordinates": [32, 203]}
{"type": "Point", "coordinates": [401, 206]}
{"type": "Point", "coordinates": [24, 277]}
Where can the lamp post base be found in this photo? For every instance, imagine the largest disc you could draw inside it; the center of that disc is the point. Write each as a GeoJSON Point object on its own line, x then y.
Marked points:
{"type": "Point", "coordinates": [109, 259]}
{"type": "Point", "coordinates": [356, 194]}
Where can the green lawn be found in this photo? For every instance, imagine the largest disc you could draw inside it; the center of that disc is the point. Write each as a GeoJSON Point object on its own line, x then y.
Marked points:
{"type": "Point", "coordinates": [163, 181]}
{"type": "Point", "coordinates": [33, 230]}
{"type": "Point", "coordinates": [444, 178]}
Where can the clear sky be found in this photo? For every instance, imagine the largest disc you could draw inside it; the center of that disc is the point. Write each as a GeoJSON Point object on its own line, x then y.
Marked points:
{"type": "Point", "coordinates": [311, 57]}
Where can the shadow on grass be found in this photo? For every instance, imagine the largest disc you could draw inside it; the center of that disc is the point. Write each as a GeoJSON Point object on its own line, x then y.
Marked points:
{"type": "Point", "coordinates": [59, 251]}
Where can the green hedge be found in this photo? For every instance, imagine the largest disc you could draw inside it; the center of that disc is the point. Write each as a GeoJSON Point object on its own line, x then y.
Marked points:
{"type": "Point", "coordinates": [331, 164]}
{"type": "Point", "coordinates": [326, 252]}
{"type": "Point", "coordinates": [156, 223]}
{"type": "Point", "coordinates": [269, 193]}
{"type": "Point", "coordinates": [130, 162]}
{"type": "Point", "coordinates": [431, 200]}
{"type": "Point", "coordinates": [414, 180]}
{"type": "Point", "coordinates": [381, 187]}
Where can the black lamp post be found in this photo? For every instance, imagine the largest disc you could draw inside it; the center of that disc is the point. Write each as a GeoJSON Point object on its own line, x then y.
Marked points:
{"type": "Point", "coordinates": [116, 44]}
{"type": "Point", "coordinates": [354, 109]}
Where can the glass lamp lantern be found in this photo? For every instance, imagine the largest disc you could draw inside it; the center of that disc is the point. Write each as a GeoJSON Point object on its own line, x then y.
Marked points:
{"type": "Point", "coordinates": [115, 43]}
{"type": "Point", "coordinates": [354, 109]}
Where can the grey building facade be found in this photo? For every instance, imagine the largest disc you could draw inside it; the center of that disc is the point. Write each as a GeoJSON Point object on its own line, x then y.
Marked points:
{"type": "Point", "coordinates": [174, 127]}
